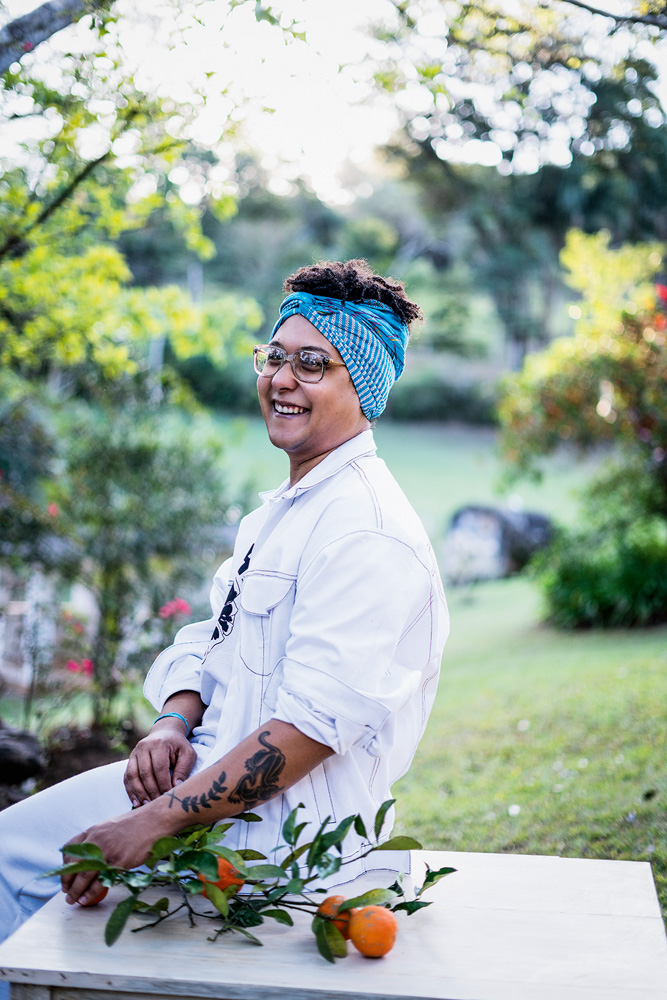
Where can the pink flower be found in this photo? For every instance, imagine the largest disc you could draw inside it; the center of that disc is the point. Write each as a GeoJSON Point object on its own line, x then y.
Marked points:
{"type": "Point", "coordinates": [661, 291]}
{"type": "Point", "coordinates": [28, 46]}
{"type": "Point", "coordinates": [85, 667]}
{"type": "Point", "coordinates": [52, 509]}
{"type": "Point", "coordinates": [174, 608]}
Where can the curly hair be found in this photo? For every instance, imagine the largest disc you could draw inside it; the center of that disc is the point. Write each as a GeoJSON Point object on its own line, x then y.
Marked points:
{"type": "Point", "coordinates": [353, 280]}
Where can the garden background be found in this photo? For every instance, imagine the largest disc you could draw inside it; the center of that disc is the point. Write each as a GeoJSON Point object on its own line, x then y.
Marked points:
{"type": "Point", "coordinates": [164, 167]}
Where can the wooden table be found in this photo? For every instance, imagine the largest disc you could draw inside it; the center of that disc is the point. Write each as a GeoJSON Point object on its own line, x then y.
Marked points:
{"type": "Point", "coordinates": [504, 927]}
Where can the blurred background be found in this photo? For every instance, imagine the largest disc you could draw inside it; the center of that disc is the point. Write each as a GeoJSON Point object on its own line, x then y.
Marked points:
{"type": "Point", "coordinates": [164, 166]}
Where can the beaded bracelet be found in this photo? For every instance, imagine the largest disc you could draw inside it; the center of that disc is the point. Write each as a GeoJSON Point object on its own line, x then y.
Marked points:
{"type": "Point", "coordinates": [175, 715]}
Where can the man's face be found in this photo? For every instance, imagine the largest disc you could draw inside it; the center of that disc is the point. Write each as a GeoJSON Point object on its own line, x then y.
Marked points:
{"type": "Point", "coordinates": [308, 419]}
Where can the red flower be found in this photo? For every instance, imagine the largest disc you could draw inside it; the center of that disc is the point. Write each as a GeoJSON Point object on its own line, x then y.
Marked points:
{"type": "Point", "coordinates": [87, 667]}
{"type": "Point", "coordinates": [174, 608]}
{"type": "Point", "coordinates": [52, 509]}
{"type": "Point", "coordinates": [28, 46]}
{"type": "Point", "coordinates": [73, 666]}
{"type": "Point", "coordinates": [661, 291]}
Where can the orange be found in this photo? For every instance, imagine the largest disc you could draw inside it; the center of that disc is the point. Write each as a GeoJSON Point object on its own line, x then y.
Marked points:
{"type": "Point", "coordinates": [373, 930]}
{"type": "Point", "coordinates": [96, 899]}
{"type": "Point", "coordinates": [329, 908]}
{"type": "Point", "coordinates": [228, 875]}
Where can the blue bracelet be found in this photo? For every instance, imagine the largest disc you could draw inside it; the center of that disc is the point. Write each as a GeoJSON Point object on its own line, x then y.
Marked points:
{"type": "Point", "coordinates": [175, 715]}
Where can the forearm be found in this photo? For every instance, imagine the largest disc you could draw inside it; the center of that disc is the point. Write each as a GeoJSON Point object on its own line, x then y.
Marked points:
{"type": "Point", "coordinates": [263, 765]}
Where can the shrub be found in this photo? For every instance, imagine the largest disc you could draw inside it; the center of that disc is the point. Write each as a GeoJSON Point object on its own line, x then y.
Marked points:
{"type": "Point", "coordinates": [607, 577]}
{"type": "Point", "coordinates": [426, 396]}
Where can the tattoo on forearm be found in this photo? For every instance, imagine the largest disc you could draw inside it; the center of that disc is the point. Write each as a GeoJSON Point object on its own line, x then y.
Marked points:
{"type": "Point", "coordinates": [260, 782]}
{"type": "Point", "coordinates": [193, 803]}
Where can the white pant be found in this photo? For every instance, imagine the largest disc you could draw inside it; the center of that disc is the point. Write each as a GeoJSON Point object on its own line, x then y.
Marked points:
{"type": "Point", "coordinates": [33, 831]}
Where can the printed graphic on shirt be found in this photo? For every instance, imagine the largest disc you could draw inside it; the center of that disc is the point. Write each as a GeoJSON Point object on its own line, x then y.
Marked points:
{"type": "Point", "coordinates": [230, 607]}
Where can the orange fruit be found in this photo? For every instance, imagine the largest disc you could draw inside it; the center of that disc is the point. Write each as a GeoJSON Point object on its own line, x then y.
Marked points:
{"type": "Point", "coordinates": [96, 899]}
{"type": "Point", "coordinates": [227, 875]}
{"type": "Point", "coordinates": [329, 908]}
{"type": "Point", "coordinates": [373, 930]}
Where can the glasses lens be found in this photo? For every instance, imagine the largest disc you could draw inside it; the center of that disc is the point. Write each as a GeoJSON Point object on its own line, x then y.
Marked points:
{"type": "Point", "coordinates": [309, 366]}
{"type": "Point", "coordinates": [268, 359]}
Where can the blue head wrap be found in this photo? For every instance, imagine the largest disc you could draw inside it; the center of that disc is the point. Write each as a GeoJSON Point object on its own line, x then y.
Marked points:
{"type": "Point", "coordinates": [370, 337]}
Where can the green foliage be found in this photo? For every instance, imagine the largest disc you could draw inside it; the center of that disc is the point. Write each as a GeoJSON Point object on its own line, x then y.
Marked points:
{"type": "Point", "coordinates": [607, 578]}
{"type": "Point", "coordinates": [571, 727]}
{"type": "Point", "coordinates": [189, 862]}
{"type": "Point", "coordinates": [426, 395]}
{"type": "Point", "coordinates": [607, 382]}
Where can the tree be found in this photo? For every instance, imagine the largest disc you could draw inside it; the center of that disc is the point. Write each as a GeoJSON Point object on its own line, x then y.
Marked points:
{"type": "Point", "coordinates": [605, 384]}
{"type": "Point", "coordinates": [23, 34]}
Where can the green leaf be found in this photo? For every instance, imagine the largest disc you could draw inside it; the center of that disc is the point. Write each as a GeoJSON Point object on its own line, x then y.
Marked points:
{"type": "Point", "coordinates": [75, 866]}
{"type": "Point", "coordinates": [199, 861]}
{"type": "Point", "coordinates": [163, 847]}
{"type": "Point", "coordinates": [337, 836]}
{"type": "Point", "coordinates": [374, 897]}
{"type": "Point", "coordinates": [215, 835]}
{"type": "Point", "coordinates": [118, 919]}
{"type": "Point", "coordinates": [294, 885]}
{"type": "Point", "coordinates": [137, 880]}
{"type": "Point", "coordinates": [281, 916]}
{"type": "Point", "coordinates": [411, 905]}
{"type": "Point", "coordinates": [289, 831]}
{"type": "Point", "coordinates": [380, 815]}
{"type": "Point", "coordinates": [151, 908]}
{"type": "Point", "coordinates": [218, 898]}
{"type": "Point", "coordinates": [249, 817]}
{"type": "Point", "coordinates": [251, 937]}
{"type": "Point", "coordinates": [89, 851]}
{"type": "Point", "coordinates": [315, 844]}
{"type": "Point", "coordinates": [398, 844]}
{"type": "Point", "coordinates": [318, 925]}
{"type": "Point", "coordinates": [359, 826]}
{"type": "Point", "coordinates": [432, 877]}
{"type": "Point", "coordinates": [249, 855]}
{"type": "Point", "coordinates": [267, 871]}
{"type": "Point", "coordinates": [335, 940]}
{"type": "Point", "coordinates": [294, 855]}
{"type": "Point", "coordinates": [328, 864]}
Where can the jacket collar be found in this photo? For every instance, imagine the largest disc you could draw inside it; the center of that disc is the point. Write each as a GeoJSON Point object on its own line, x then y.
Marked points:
{"type": "Point", "coordinates": [361, 444]}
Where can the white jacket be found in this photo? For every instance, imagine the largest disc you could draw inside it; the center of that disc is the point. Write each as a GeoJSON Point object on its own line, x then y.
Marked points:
{"type": "Point", "coordinates": [333, 619]}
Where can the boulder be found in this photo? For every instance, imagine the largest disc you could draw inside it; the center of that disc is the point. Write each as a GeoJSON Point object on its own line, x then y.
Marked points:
{"type": "Point", "coordinates": [21, 756]}
{"type": "Point", "coordinates": [488, 543]}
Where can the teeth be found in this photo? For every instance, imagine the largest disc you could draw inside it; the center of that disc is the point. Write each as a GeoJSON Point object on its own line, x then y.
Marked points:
{"type": "Point", "coordinates": [285, 408]}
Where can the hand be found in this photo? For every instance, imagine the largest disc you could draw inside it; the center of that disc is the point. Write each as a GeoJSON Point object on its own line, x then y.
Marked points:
{"type": "Point", "coordinates": [125, 841]}
{"type": "Point", "coordinates": [160, 761]}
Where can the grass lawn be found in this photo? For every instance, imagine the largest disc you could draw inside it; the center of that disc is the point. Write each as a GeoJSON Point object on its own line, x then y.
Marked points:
{"type": "Point", "coordinates": [543, 742]}
{"type": "Point", "coordinates": [439, 466]}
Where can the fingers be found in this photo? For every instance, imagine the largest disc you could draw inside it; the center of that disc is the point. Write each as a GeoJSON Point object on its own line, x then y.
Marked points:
{"type": "Point", "coordinates": [84, 888]}
{"type": "Point", "coordinates": [156, 764]}
{"type": "Point", "coordinates": [183, 766]}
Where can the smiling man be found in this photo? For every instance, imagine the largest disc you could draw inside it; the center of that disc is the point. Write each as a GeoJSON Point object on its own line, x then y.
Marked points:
{"type": "Point", "coordinates": [313, 680]}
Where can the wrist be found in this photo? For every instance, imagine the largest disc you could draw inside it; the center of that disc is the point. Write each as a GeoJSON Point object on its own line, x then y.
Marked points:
{"type": "Point", "coordinates": [182, 722]}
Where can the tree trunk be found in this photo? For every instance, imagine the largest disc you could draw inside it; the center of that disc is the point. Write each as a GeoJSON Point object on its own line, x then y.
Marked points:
{"type": "Point", "coordinates": [25, 33]}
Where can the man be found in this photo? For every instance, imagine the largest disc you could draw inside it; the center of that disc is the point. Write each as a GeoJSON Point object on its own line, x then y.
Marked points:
{"type": "Point", "coordinates": [313, 680]}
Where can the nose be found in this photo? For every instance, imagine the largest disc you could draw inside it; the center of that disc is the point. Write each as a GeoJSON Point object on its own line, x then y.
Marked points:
{"type": "Point", "coordinates": [284, 377]}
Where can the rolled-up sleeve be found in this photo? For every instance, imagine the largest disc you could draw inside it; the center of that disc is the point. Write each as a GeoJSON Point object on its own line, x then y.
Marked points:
{"type": "Point", "coordinates": [347, 666]}
{"type": "Point", "coordinates": [178, 668]}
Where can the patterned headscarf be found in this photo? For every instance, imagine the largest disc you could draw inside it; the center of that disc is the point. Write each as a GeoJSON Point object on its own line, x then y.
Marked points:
{"type": "Point", "coordinates": [370, 337]}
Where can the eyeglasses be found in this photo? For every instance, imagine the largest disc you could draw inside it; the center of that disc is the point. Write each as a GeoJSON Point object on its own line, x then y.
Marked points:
{"type": "Point", "coordinates": [308, 366]}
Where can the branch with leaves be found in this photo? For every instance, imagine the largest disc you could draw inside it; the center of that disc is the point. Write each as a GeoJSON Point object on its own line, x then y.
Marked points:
{"type": "Point", "coordinates": [192, 863]}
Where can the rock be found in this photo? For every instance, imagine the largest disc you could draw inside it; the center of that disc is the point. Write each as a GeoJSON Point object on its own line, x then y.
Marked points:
{"type": "Point", "coordinates": [487, 543]}
{"type": "Point", "coordinates": [21, 756]}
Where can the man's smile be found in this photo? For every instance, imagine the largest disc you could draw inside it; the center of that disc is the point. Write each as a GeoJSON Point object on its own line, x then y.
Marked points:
{"type": "Point", "coordinates": [288, 409]}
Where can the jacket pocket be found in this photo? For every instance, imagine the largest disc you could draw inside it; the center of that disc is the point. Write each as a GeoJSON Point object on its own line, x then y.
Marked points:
{"type": "Point", "coordinates": [266, 602]}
